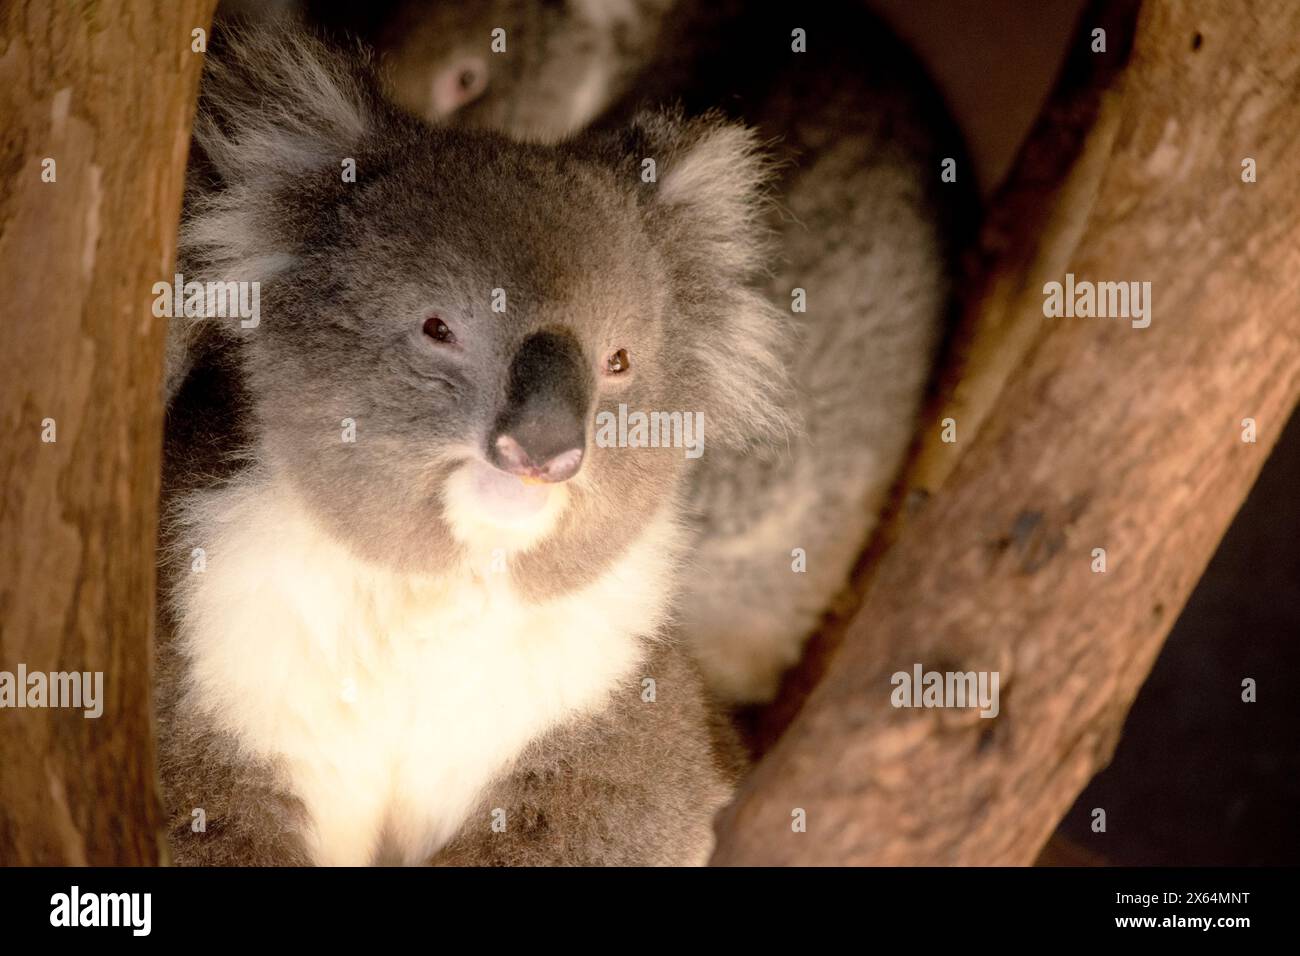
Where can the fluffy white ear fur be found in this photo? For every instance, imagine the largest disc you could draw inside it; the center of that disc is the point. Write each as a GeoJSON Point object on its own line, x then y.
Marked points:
{"type": "Point", "coordinates": [716, 174]}
{"type": "Point", "coordinates": [309, 110]}
{"type": "Point", "coordinates": [714, 189]}
{"type": "Point", "coordinates": [309, 103]}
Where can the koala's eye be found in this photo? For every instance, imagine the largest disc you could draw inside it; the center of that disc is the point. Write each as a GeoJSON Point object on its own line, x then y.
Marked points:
{"type": "Point", "coordinates": [438, 330]}
{"type": "Point", "coordinates": [460, 82]}
{"type": "Point", "coordinates": [472, 81]}
{"type": "Point", "coordinates": [617, 363]}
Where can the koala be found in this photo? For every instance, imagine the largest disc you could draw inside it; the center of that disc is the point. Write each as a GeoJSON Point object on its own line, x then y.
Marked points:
{"type": "Point", "coordinates": [414, 610]}
{"type": "Point", "coordinates": [549, 70]}
{"type": "Point", "coordinates": [868, 235]}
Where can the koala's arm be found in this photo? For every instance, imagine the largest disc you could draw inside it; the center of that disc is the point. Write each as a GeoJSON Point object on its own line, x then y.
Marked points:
{"type": "Point", "coordinates": [637, 785]}
{"type": "Point", "coordinates": [223, 809]}
{"type": "Point", "coordinates": [247, 818]}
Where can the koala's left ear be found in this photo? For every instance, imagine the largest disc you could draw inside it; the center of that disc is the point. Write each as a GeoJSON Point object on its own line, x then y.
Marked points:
{"type": "Point", "coordinates": [703, 185]}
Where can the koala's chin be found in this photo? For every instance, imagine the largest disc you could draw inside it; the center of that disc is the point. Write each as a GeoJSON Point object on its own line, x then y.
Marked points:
{"type": "Point", "coordinates": [490, 508]}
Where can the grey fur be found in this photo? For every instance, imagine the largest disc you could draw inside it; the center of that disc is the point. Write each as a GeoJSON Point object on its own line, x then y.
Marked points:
{"type": "Point", "coordinates": [553, 52]}
{"type": "Point", "coordinates": [623, 789]}
{"type": "Point", "coordinates": [865, 227]}
{"type": "Point", "coordinates": [436, 220]}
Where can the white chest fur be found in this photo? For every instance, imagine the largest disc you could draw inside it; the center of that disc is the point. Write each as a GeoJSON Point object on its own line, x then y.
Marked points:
{"type": "Point", "coordinates": [392, 700]}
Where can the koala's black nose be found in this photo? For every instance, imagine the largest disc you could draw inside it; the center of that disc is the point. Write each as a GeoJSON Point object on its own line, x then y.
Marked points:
{"type": "Point", "coordinates": [542, 431]}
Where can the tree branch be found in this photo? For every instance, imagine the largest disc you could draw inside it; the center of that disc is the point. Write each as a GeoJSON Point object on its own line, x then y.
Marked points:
{"type": "Point", "coordinates": [106, 91]}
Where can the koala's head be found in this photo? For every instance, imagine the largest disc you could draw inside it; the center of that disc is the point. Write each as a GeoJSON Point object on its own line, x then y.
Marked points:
{"type": "Point", "coordinates": [538, 70]}
{"type": "Point", "coordinates": [440, 333]}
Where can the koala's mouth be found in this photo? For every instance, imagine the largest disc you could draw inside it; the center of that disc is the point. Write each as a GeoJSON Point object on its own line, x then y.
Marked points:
{"type": "Point", "coordinates": [500, 497]}
{"type": "Point", "coordinates": [489, 508]}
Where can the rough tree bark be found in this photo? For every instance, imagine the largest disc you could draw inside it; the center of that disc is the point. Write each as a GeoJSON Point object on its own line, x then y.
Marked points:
{"type": "Point", "coordinates": [1087, 433]}
{"type": "Point", "coordinates": [1030, 229]}
{"type": "Point", "coordinates": [106, 90]}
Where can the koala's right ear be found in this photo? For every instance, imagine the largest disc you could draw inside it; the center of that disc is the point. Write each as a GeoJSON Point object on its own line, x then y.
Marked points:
{"type": "Point", "coordinates": [277, 102]}
{"type": "Point", "coordinates": [278, 113]}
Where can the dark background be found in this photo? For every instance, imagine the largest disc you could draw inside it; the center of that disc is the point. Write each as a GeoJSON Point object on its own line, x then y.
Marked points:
{"type": "Point", "coordinates": [1199, 776]}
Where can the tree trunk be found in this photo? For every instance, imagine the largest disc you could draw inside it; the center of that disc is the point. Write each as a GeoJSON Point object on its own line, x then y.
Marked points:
{"type": "Point", "coordinates": [106, 91]}
{"type": "Point", "coordinates": [1073, 434]}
